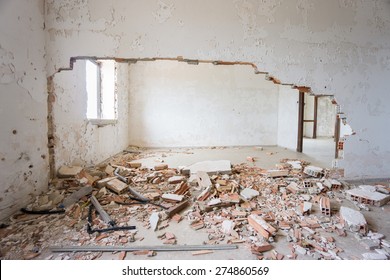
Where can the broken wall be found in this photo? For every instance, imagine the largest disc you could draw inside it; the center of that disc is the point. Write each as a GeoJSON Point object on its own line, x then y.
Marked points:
{"type": "Point", "coordinates": [337, 47]}
{"type": "Point", "coordinates": [23, 104]}
{"type": "Point", "coordinates": [78, 141]}
{"type": "Point", "coordinates": [175, 104]}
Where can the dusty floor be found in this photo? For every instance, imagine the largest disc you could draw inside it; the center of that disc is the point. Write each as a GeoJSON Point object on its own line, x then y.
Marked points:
{"type": "Point", "coordinates": [31, 236]}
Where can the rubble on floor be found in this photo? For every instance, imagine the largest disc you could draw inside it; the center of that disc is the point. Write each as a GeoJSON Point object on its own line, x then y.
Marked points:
{"type": "Point", "coordinates": [243, 204]}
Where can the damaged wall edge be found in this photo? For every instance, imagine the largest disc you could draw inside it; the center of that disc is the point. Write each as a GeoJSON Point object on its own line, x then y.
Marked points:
{"type": "Point", "coordinates": [72, 60]}
{"type": "Point", "coordinates": [50, 126]}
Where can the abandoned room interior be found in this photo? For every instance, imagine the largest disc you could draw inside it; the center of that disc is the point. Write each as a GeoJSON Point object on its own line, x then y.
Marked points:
{"type": "Point", "coordinates": [195, 130]}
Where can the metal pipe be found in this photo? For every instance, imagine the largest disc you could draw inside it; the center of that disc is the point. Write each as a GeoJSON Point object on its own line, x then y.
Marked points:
{"type": "Point", "coordinates": [141, 248]}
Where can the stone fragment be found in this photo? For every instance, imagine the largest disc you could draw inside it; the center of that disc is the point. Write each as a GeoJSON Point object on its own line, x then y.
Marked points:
{"type": "Point", "coordinates": [68, 171]}
{"type": "Point", "coordinates": [248, 193]}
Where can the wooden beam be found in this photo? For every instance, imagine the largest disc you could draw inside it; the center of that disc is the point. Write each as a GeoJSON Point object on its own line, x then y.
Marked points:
{"type": "Point", "coordinates": [315, 117]}
{"type": "Point", "coordinates": [301, 111]}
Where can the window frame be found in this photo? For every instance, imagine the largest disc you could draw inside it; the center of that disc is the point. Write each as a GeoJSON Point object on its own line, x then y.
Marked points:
{"type": "Point", "coordinates": [99, 121]}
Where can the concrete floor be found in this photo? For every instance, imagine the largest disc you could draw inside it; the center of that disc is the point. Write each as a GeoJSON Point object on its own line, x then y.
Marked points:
{"type": "Point", "coordinates": [319, 152]}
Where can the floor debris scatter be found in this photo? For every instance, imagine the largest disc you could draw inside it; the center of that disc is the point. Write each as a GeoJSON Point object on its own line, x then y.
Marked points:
{"type": "Point", "coordinates": [294, 211]}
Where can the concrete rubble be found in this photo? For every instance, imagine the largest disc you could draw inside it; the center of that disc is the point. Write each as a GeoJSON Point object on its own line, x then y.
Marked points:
{"type": "Point", "coordinates": [281, 213]}
{"type": "Point", "coordinates": [367, 194]}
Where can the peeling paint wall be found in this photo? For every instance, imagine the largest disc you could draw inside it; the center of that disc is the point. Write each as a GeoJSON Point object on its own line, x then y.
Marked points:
{"type": "Point", "coordinates": [337, 47]}
{"type": "Point", "coordinates": [173, 104]}
{"type": "Point", "coordinates": [23, 113]}
{"type": "Point", "coordinates": [76, 140]}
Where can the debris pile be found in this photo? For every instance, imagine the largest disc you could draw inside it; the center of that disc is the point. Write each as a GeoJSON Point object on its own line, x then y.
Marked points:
{"type": "Point", "coordinates": [295, 205]}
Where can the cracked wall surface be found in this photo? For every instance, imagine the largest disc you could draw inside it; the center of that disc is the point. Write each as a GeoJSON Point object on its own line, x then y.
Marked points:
{"type": "Point", "coordinates": [23, 113]}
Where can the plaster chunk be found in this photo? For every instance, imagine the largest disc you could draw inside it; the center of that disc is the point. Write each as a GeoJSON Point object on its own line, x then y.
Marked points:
{"type": "Point", "coordinates": [353, 220]}
{"type": "Point", "coordinates": [248, 193]}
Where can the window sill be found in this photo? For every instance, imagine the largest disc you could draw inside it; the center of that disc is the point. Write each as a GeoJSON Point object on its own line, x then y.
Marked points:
{"type": "Point", "coordinates": [102, 122]}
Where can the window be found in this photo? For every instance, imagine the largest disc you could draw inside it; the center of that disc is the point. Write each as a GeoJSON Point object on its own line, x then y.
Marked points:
{"type": "Point", "coordinates": [100, 86]}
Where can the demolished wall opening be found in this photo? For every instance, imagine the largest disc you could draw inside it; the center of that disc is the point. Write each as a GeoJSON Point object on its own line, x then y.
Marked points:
{"type": "Point", "coordinates": [283, 126]}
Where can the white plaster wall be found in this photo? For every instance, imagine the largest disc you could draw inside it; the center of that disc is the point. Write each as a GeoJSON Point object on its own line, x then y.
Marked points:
{"type": "Point", "coordinates": [23, 106]}
{"type": "Point", "coordinates": [175, 104]}
{"type": "Point", "coordinates": [288, 117]}
{"type": "Point", "coordinates": [77, 141]}
{"type": "Point", "coordinates": [339, 47]}
{"type": "Point", "coordinates": [326, 114]}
